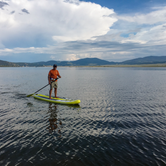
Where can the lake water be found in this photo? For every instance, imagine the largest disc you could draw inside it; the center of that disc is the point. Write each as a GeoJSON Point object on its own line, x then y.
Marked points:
{"type": "Point", "coordinates": [121, 119]}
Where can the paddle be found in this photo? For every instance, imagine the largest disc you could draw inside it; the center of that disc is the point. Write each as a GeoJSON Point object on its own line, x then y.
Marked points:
{"type": "Point", "coordinates": [40, 89]}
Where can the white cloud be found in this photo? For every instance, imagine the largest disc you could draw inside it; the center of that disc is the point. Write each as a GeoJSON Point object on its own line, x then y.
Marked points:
{"type": "Point", "coordinates": [155, 35]}
{"type": "Point", "coordinates": [57, 19]}
{"type": "Point", "coordinates": [73, 29]}
{"type": "Point", "coordinates": [154, 17]}
{"type": "Point", "coordinates": [147, 28]}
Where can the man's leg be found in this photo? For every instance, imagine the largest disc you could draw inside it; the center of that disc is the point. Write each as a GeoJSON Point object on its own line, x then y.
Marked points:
{"type": "Point", "coordinates": [55, 91]}
{"type": "Point", "coordinates": [50, 92]}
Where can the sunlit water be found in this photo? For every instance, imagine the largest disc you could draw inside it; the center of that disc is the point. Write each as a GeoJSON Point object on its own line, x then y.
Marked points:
{"type": "Point", "coordinates": [121, 119]}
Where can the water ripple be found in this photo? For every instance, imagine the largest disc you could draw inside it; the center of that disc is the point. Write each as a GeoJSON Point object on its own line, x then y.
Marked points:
{"type": "Point", "coordinates": [120, 121]}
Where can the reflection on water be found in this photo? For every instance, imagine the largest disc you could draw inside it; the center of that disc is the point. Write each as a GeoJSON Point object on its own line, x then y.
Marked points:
{"type": "Point", "coordinates": [55, 123]}
{"type": "Point", "coordinates": [121, 119]}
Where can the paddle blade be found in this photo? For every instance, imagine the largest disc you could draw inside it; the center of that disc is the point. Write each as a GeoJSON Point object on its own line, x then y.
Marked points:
{"type": "Point", "coordinates": [30, 95]}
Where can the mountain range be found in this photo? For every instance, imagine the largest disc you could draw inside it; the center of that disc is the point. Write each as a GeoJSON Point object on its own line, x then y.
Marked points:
{"type": "Point", "coordinates": [88, 62]}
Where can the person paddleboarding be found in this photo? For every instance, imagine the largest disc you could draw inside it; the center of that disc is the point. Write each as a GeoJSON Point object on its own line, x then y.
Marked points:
{"type": "Point", "coordinates": [53, 75]}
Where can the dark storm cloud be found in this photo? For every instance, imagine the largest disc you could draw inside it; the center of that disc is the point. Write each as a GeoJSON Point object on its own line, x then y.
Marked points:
{"type": "Point", "coordinates": [116, 46]}
{"type": "Point", "coordinates": [2, 4]}
{"type": "Point", "coordinates": [12, 12]}
{"type": "Point", "coordinates": [25, 11]}
{"type": "Point", "coordinates": [109, 49]}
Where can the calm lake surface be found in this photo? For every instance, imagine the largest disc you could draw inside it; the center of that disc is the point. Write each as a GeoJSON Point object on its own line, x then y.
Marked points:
{"type": "Point", "coordinates": [121, 119]}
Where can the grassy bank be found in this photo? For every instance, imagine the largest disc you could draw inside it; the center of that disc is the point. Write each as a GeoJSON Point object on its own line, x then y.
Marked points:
{"type": "Point", "coordinates": [142, 65]}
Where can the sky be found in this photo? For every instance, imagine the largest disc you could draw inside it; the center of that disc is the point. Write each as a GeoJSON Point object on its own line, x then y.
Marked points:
{"type": "Point", "coordinates": [68, 30]}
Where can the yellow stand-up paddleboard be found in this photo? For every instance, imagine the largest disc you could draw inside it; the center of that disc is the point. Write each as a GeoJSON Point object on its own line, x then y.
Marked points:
{"type": "Point", "coordinates": [55, 100]}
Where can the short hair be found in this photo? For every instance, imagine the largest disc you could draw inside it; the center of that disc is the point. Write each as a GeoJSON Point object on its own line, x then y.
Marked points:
{"type": "Point", "coordinates": [54, 65]}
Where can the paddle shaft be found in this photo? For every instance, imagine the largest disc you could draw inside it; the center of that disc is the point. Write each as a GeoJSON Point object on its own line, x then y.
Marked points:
{"type": "Point", "coordinates": [42, 88]}
{"type": "Point", "coordinates": [45, 86]}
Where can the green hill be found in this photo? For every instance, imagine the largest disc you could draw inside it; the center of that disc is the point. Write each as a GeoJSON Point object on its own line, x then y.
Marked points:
{"type": "Point", "coordinates": [80, 62]}
{"type": "Point", "coordinates": [7, 64]}
{"type": "Point", "coordinates": [89, 62]}
{"type": "Point", "coordinates": [146, 60]}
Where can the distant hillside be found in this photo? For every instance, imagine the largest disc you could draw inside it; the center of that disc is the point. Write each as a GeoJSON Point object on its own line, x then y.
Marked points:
{"type": "Point", "coordinates": [146, 60]}
{"type": "Point", "coordinates": [89, 62]}
{"type": "Point", "coordinates": [80, 62]}
{"type": "Point", "coordinates": [7, 64]}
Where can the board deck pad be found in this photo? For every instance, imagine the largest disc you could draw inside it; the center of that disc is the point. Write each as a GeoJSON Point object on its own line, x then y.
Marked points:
{"type": "Point", "coordinates": [55, 100]}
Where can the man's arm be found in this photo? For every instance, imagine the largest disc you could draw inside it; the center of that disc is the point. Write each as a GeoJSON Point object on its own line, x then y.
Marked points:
{"type": "Point", "coordinates": [49, 80]}
{"type": "Point", "coordinates": [59, 75]}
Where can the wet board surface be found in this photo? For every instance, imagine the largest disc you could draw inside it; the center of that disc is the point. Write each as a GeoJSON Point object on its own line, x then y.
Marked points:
{"type": "Point", "coordinates": [56, 100]}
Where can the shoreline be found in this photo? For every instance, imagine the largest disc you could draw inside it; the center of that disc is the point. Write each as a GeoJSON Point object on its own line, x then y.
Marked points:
{"type": "Point", "coordinates": [142, 65]}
